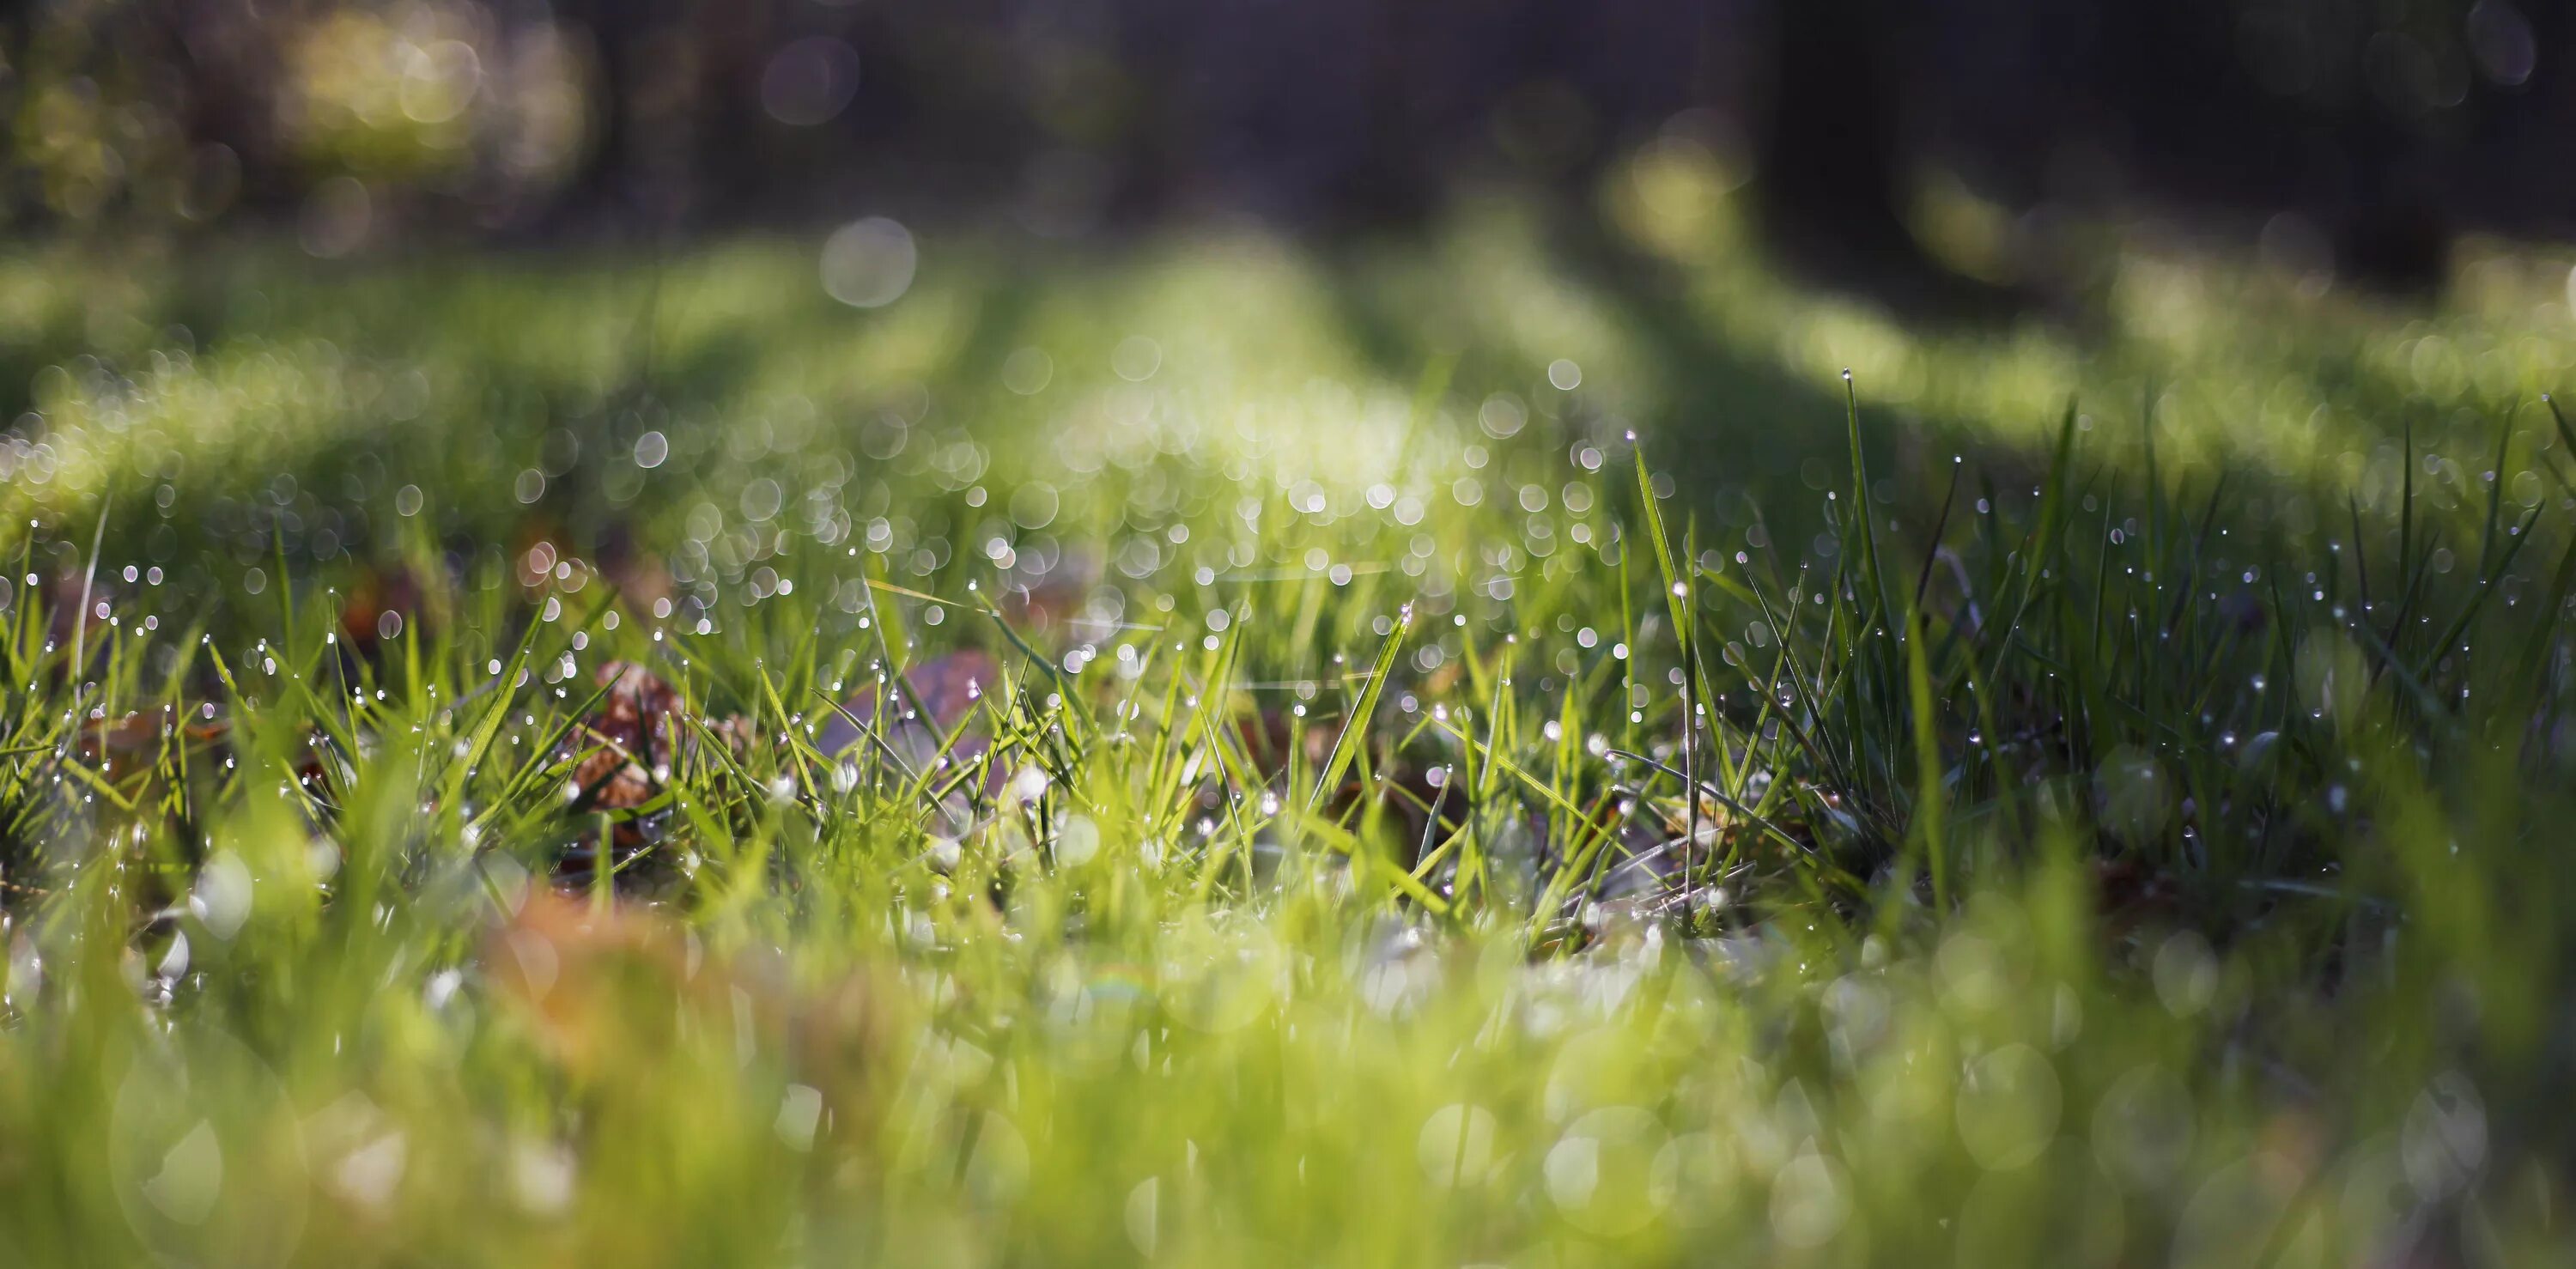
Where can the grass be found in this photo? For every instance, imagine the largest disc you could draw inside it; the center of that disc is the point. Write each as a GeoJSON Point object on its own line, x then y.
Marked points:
{"type": "Point", "coordinates": [1397, 816]}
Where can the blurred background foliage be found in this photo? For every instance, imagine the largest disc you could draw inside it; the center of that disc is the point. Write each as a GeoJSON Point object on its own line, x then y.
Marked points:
{"type": "Point", "coordinates": [2364, 137]}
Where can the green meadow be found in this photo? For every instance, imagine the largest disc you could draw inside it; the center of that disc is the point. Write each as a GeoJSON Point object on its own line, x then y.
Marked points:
{"type": "Point", "coordinates": [1540, 743]}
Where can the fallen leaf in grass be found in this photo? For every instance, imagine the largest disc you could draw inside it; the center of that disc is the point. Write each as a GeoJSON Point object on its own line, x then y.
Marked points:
{"type": "Point", "coordinates": [134, 742]}
{"type": "Point", "coordinates": [1407, 790]}
{"type": "Point", "coordinates": [617, 994]}
{"type": "Point", "coordinates": [1706, 827]}
{"type": "Point", "coordinates": [2132, 892]}
{"type": "Point", "coordinates": [1270, 736]}
{"type": "Point", "coordinates": [627, 747]}
{"type": "Point", "coordinates": [1053, 610]}
{"type": "Point", "coordinates": [382, 604]}
{"type": "Point", "coordinates": [928, 702]}
{"type": "Point", "coordinates": [138, 755]}
{"type": "Point", "coordinates": [629, 738]}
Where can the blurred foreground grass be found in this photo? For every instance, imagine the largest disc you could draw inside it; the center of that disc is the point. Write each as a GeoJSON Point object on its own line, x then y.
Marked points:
{"type": "Point", "coordinates": [1226, 754]}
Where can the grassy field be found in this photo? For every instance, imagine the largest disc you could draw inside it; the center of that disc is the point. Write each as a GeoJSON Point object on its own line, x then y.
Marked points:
{"type": "Point", "coordinates": [1482, 751]}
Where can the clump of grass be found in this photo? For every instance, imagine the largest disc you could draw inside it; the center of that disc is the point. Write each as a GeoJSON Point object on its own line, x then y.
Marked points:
{"type": "Point", "coordinates": [1120, 824]}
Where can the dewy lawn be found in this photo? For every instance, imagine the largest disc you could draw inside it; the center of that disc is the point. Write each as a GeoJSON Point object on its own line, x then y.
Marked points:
{"type": "Point", "coordinates": [1410, 756]}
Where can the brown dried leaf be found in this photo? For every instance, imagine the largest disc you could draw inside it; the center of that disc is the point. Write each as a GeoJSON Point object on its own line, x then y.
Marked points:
{"type": "Point", "coordinates": [580, 977]}
{"type": "Point", "coordinates": [632, 736]}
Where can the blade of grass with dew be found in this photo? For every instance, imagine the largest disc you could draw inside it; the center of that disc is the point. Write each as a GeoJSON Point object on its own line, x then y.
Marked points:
{"type": "Point", "coordinates": [1355, 728]}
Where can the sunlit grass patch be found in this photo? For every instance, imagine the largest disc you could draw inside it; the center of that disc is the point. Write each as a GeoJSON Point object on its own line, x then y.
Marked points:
{"type": "Point", "coordinates": [1246, 755]}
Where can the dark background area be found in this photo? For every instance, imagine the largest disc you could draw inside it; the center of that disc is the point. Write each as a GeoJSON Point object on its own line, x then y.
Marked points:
{"type": "Point", "coordinates": [2382, 130]}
